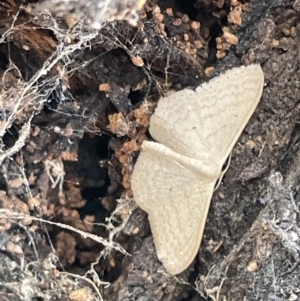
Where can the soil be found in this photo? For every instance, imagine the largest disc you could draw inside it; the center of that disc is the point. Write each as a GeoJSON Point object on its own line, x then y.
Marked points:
{"type": "Point", "coordinates": [75, 104]}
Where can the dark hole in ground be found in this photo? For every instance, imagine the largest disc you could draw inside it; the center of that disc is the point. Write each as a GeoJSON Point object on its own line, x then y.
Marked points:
{"type": "Point", "coordinates": [96, 181]}
{"type": "Point", "coordinates": [26, 61]}
{"type": "Point", "coordinates": [102, 150]}
{"type": "Point", "coordinates": [193, 296]}
{"type": "Point", "coordinates": [215, 32]}
{"type": "Point", "coordinates": [28, 66]}
{"type": "Point", "coordinates": [11, 136]}
{"type": "Point", "coordinates": [93, 205]}
{"type": "Point", "coordinates": [52, 103]}
{"type": "Point", "coordinates": [112, 275]}
{"type": "Point", "coordinates": [3, 182]}
{"type": "Point", "coordinates": [136, 96]}
{"type": "Point", "coordinates": [3, 60]}
{"type": "Point", "coordinates": [187, 7]}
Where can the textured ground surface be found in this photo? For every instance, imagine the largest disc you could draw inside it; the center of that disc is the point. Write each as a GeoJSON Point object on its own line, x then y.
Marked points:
{"type": "Point", "coordinates": [73, 100]}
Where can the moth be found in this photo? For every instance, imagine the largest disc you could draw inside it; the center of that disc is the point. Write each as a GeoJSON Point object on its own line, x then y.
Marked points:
{"type": "Point", "coordinates": [174, 178]}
